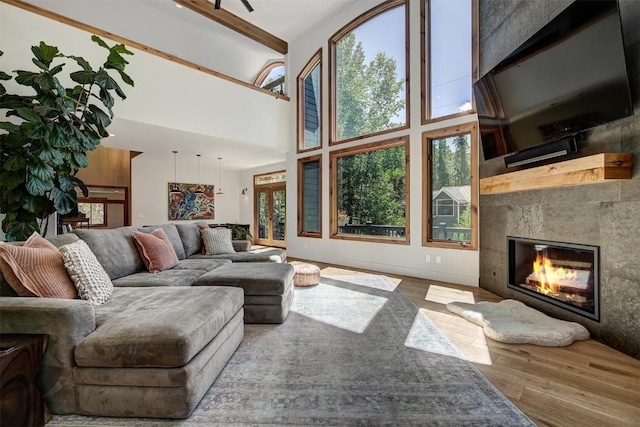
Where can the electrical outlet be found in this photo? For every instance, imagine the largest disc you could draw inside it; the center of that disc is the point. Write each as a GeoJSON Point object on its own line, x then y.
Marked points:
{"type": "Point", "coordinates": [140, 215]}
{"type": "Point", "coordinates": [427, 258]}
{"type": "Point", "coordinates": [438, 259]}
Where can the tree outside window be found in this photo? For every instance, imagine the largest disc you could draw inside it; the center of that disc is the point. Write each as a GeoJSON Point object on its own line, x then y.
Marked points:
{"type": "Point", "coordinates": [370, 192]}
{"type": "Point", "coordinates": [369, 92]}
{"type": "Point", "coordinates": [449, 197]}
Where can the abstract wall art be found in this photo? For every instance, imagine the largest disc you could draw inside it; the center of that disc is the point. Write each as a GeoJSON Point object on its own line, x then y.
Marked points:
{"type": "Point", "coordinates": [191, 201]}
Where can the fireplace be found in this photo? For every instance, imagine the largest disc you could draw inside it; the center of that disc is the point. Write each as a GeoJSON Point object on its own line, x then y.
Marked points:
{"type": "Point", "coordinates": [563, 274]}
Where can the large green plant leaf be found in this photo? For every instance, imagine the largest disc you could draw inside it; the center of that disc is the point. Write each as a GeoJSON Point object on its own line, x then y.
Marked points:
{"type": "Point", "coordinates": [35, 204]}
{"type": "Point", "coordinates": [38, 187]}
{"type": "Point", "coordinates": [28, 114]}
{"type": "Point", "coordinates": [81, 62]}
{"type": "Point", "coordinates": [64, 201]}
{"type": "Point", "coordinates": [21, 230]}
{"type": "Point", "coordinates": [45, 53]}
{"type": "Point", "coordinates": [26, 78]}
{"type": "Point", "coordinates": [15, 163]}
{"type": "Point", "coordinates": [11, 179]}
{"type": "Point", "coordinates": [40, 170]}
{"type": "Point", "coordinates": [83, 77]}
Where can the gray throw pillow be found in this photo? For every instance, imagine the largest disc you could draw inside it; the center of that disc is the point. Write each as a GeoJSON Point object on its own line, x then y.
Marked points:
{"type": "Point", "coordinates": [217, 241]}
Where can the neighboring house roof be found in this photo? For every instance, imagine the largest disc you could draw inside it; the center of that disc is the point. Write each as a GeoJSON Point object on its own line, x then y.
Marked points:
{"type": "Point", "coordinates": [461, 194]}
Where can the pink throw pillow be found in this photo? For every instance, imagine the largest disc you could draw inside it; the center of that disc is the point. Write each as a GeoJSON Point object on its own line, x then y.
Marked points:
{"type": "Point", "coordinates": [36, 269]}
{"type": "Point", "coordinates": [156, 250]}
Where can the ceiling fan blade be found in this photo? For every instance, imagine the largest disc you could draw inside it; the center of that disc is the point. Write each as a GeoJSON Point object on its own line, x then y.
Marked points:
{"type": "Point", "coordinates": [247, 5]}
{"type": "Point", "coordinates": [217, 4]}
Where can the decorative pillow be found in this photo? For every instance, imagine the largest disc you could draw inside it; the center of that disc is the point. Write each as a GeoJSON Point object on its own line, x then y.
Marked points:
{"type": "Point", "coordinates": [88, 276]}
{"type": "Point", "coordinates": [36, 269]}
{"type": "Point", "coordinates": [156, 250]}
{"type": "Point", "coordinates": [202, 226]}
{"type": "Point", "coordinates": [217, 241]}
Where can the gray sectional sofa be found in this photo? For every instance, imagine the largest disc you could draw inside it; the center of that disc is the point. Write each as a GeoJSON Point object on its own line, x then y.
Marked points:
{"type": "Point", "coordinates": [156, 346]}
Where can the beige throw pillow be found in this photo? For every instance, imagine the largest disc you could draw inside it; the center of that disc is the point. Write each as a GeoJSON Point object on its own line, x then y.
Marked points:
{"type": "Point", "coordinates": [217, 241]}
{"type": "Point", "coordinates": [36, 269]}
{"type": "Point", "coordinates": [88, 276]}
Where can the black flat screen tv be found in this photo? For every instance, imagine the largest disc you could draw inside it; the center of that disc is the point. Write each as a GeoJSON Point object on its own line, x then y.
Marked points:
{"type": "Point", "coordinates": [569, 77]}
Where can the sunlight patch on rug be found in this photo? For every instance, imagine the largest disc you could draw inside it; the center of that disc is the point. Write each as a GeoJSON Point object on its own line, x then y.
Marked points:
{"type": "Point", "coordinates": [426, 336]}
{"type": "Point", "coordinates": [443, 295]}
{"type": "Point", "coordinates": [369, 280]}
{"type": "Point", "coordinates": [343, 308]}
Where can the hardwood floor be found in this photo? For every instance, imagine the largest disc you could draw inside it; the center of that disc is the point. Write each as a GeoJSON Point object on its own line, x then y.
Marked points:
{"type": "Point", "coordinates": [584, 384]}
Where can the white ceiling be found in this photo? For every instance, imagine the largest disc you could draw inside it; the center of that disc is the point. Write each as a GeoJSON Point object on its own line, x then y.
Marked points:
{"type": "Point", "coordinates": [188, 35]}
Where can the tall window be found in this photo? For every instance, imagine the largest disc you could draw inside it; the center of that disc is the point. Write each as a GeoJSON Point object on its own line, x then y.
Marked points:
{"type": "Point", "coordinates": [310, 196]}
{"type": "Point", "coordinates": [368, 74]}
{"type": "Point", "coordinates": [272, 78]}
{"type": "Point", "coordinates": [310, 105]}
{"type": "Point", "coordinates": [449, 187]}
{"type": "Point", "coordinates": [370, 192]}
{"type": "Point", "coordinates": [447, 45]}
{"type": "Point", "coordinates": [95, 210]}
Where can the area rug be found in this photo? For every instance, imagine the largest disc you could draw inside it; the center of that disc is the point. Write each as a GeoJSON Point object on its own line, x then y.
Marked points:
{"type": "Point", "coordinates": [513, 322]}
{"type": "Point", "coordinates": [371, 280]}
{"type": "Point", "coordinates": [393, 367]}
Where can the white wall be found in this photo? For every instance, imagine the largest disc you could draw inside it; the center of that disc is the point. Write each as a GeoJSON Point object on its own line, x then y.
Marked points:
{"type": "Point", "coordinates": [152, 172]}
{"type": "Point", "coordinates": [458, 266]}
{"type": "Point", "coordinates": [166, 94]}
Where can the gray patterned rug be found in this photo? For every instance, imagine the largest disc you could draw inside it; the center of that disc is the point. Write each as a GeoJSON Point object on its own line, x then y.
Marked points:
{"type": "Point", "coordinates": [346, 355]}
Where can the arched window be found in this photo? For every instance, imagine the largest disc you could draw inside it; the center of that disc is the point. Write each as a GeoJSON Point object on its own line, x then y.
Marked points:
{"type": "Point", "coordinates": [369, 73]}
{"type": "Point", "coordinates": [272, 77]}
{"type": "Point", "coordinates": [310, 104]}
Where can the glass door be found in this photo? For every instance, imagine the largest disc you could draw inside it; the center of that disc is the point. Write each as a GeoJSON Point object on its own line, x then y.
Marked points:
{"type": "Point", "coordinates": [270, 207]}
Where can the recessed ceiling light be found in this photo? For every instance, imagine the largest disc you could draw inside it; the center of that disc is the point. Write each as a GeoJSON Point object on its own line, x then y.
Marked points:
{"type": "Point", "coordinates": [112, 134]}
{"type": "Point", "coordinates": [179, 6]}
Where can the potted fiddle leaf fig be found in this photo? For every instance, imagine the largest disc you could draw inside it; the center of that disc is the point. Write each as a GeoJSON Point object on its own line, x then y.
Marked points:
{"type": "Point", "coordinates": [47, 130]}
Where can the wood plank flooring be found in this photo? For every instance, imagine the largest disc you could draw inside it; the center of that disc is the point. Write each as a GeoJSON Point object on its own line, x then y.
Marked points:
{"type": "Point", "coordinates": [584, 384]}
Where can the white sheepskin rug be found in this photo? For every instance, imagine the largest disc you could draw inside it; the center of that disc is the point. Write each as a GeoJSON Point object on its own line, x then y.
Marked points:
{"type": "Point", "coordinates": [513, 322]}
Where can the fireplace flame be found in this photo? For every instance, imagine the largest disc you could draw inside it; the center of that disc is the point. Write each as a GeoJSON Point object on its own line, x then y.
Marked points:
{"type": "Point", "coordinates": [550, 277]}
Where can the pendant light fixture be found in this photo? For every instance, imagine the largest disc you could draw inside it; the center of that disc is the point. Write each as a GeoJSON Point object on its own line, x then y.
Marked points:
{"type": "Point", "coordinates": [219, 192]}
{"type": "Point", "coordinates": [199, 188]}
{"type": "Point", "coordinates": [174, 186]}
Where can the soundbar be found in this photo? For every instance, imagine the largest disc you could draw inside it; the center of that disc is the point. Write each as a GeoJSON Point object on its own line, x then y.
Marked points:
{"type": "Point", "coordinates": [541, 152]}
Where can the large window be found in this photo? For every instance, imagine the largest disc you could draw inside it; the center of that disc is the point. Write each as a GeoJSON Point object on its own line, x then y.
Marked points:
{"type": "Point", "coordinates": [310, 196]}
{"type": "Point", "coordinates": [370, 192]}
{"type": "Point", "coordinates": [369, 74]}
{"type": "Point", "coordinates": [449, 187]}
{"type": "Point", "coordinates": [449, 37]}
{"type": "Point", "coordinates": [310, 105]}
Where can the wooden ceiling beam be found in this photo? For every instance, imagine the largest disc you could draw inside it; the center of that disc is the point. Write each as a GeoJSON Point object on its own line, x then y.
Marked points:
{"type": "Point", "coordinates": [229, 20]}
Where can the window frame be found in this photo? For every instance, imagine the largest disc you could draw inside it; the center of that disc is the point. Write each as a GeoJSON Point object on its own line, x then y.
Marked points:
{"type": "Point", "coordinates": [427, 199]}
{"type": "Point", "coordinates": [425, 63]}
{"type": "Point", "coordinates": [265, 72]}
{"type": "Point", "coordinates": [315, 61]}
{"type": "Point", "coordinates": [363, 18]}
{"type": "Point", "coordinates": [333, 189]}
{"type": "Point", "coordinates": [301, 162]}
{"type": "Point", "coordinates": [442, 205]}
{"type": "Point", "coordinates": [96, 201]}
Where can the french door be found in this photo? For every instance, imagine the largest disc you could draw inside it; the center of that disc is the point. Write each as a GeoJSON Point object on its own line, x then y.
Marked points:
{"type": "Point", "coordinates": [270, 219]}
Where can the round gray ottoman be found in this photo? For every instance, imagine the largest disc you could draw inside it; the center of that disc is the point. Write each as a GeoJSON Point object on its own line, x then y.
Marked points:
{"type": "Point", "coordinates": [306, 275]}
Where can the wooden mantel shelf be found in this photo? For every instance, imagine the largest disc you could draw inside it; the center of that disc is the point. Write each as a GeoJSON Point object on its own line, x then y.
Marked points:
{"type": "Point", "coordinates": [603, 167]}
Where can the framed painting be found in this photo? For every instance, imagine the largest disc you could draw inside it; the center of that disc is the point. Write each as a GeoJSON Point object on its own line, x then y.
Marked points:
{"type": "Point", "coordinates": [191, 201]}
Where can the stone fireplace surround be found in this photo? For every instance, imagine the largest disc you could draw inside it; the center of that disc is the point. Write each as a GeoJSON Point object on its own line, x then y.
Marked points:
{"type": "Point", "coordinates": [605, 214]}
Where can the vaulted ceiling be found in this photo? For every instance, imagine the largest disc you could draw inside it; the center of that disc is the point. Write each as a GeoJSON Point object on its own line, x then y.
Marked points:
{"type": "Point", "coordinates": [211, 121]}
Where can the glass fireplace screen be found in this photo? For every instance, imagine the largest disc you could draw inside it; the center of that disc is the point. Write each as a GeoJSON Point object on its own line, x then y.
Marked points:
{"type": "Point", "coordinates": [563, 274]}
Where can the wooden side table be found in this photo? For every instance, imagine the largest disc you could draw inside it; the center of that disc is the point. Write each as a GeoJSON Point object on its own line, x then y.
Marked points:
{"type": "Point", "coordinates": [20, 401]}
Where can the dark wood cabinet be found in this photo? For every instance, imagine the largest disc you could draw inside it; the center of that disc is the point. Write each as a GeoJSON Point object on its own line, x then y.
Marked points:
{"type": "Point", "coordinates": [20, 401]}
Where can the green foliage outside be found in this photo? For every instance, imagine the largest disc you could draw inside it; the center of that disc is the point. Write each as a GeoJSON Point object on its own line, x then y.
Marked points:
{"type": "Point", "coordinates": [371, 185]}
{"type": "Point", "coordinates": [451, 167]}
{"type": "Point", "coordinates": [48, 132]}
{"type": "Point", "coordinates": [370, 95]}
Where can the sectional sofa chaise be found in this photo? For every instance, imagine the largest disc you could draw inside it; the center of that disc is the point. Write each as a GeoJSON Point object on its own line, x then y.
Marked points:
{"type": "Point", "coordinates": [157, 344]}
